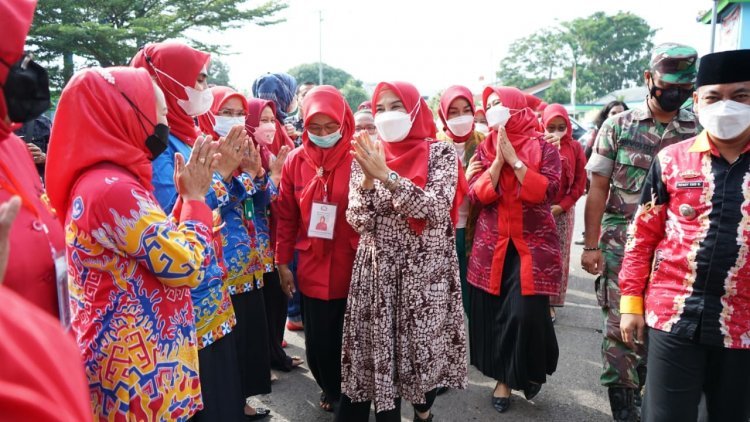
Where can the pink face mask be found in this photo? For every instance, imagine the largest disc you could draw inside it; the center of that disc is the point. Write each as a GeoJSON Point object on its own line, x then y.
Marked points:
{"type": "Point", "coordinates": [264, 133]}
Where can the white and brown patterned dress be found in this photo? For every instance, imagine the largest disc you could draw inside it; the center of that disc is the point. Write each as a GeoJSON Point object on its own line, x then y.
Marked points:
{"type": "Point", "coordinates": [404, 330]}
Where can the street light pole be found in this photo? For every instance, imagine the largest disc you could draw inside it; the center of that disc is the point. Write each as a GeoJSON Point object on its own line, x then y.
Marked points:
{"type": "Point", "coordinates": [714, 17]}
{"type": "Point", "coordinates": [320, 48]}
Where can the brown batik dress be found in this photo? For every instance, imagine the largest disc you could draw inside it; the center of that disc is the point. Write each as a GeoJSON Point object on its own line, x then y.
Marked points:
{"type": "Point", "coordinates": [403, 329]}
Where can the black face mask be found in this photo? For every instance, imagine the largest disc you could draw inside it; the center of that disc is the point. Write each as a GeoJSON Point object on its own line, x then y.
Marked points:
{"type": "Point", "coordinates": [672, 98]}
{"type": "Point", "coordinates": [158, 141]}
{"type": "Point", "coordinates": [26, 90]}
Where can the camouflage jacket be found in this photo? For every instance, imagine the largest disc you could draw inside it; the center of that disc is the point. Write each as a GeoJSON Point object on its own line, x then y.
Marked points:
{"type": "Point", "coordinates": [623, 151]}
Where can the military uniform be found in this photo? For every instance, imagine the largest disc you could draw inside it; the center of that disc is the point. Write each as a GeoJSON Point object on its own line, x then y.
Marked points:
{"type": "Point", "coordinates": [623, 151]}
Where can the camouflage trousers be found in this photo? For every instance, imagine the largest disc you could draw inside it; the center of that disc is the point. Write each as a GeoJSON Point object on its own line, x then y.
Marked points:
{"type": "Point", "coordinates": [623, 366]}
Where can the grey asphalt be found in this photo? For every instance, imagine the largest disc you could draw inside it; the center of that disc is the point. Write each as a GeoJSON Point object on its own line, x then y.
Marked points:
{"type": "Point", "coordinates": [572, 393]}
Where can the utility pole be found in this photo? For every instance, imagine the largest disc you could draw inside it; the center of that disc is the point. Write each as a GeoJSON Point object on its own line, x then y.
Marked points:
{"type": "Point", "coordinates": [714, 17]}
{"type": "Point", "coordinates": [320, 48]}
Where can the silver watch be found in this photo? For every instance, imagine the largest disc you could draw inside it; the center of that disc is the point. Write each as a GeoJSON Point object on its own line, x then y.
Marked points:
{"type": "Point", "coordinates": [391, 182]}
{"type": "Point", "coordinates": [518, 165]}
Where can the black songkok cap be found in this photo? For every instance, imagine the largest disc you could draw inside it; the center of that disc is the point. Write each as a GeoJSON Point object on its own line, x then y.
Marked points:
{"type": "Point", "coordinates": [725, 67]}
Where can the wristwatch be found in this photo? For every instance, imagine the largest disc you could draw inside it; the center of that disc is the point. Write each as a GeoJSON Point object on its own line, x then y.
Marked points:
{"type": "Point", "coordinates": [518, 165]}
{"type": "Point", "coordinates": [391, 182]}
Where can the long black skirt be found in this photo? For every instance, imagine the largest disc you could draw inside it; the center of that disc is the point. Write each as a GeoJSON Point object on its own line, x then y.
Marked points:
{"type": "Point", "coordinates": [252, 343]}
{"type": "Point", "coordinates": [324, 327]}
{"type": "Point", "coordinates": [276, 305]}
{"type": "Point", "coordinates": [220, 382]}
{"type": "Point", "coordinates": [512, 337]}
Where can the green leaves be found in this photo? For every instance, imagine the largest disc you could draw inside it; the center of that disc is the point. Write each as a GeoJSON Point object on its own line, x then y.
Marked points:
{"type": "Point", "coordinates": [110, 32]}
{"type": "Point", "coordinates": [610, 53]}
{"type": "Point", "coordinates": [350, 87]}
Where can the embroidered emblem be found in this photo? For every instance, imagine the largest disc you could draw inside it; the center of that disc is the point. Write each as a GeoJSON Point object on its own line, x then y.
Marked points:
{"type": "Point", "coordinates": [689, 174]}
{"type": "Point", "coordinates": [687, 211]}
{"type": "Point", "coordinates": [77, 211]}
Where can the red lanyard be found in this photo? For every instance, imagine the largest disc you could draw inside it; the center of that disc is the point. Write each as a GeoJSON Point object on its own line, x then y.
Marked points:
{"type": "Point", "coordinates": [12, 186]}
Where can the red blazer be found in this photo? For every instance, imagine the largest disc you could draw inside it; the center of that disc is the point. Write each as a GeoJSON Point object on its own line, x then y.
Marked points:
{"type": "Point", "coordinates": [31, 269]}
{"type": "Point", "coordinates": [327, 277]}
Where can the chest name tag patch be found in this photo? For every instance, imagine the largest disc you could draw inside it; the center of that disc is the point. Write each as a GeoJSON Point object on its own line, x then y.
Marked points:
{"type": "Point", "coordinates": [689, 185]}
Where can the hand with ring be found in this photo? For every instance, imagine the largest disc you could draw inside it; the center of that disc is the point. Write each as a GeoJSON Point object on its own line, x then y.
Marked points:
{"type": "Point", "coordinates": [370, 156]}
{"type": "Point", "coordinates": [192, 180]}
{"type": "Point", "coordinates": [232, 149]}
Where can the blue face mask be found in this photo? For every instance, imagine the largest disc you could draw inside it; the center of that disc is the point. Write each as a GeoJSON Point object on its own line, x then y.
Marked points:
{"type": "Point", "coordinates": [325, 141]}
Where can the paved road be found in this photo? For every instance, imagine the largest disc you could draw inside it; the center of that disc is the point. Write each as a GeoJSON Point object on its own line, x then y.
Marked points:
{"type": "Point", "coordinates": [573, 393]}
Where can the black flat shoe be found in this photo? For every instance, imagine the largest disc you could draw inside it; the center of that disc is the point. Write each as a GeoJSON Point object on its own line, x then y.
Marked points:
{"type": "Point", "coordinates": [501, 404]}
{"type": "Point", "coordinates": [260, 413]}
{"type": "Point", "coordinates": [418, 419]}
{"type": "Point", "coordinates": [532, 390]}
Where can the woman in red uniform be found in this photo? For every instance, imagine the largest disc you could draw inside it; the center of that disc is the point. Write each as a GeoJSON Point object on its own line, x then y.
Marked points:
{"type": "Point", "coordinates": [556, 122]}
{"type": "Point", "coordinates": [315, 184]}
{"type": "Point", "coordinates": [515, 262]}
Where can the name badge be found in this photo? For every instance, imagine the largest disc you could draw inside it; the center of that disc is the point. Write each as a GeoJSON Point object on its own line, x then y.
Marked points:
{"type": "Point", "coordinates": [322, 220]}
{"type": "Point", "coordinates": [689, 185]}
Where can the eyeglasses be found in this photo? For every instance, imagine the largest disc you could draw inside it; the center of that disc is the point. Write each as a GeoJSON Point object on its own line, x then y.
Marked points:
{"type": "Point", "coordinates": [369, 128]}
{"type": "Point", "coordinates": [232, 113]}
{"type": "Point", "coordinates": [319, 129]}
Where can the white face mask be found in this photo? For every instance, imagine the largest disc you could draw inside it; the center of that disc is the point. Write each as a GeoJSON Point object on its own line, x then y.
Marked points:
{"type": "Point", "coordinates": [198, 102]}
{"type": "Point", "coordinates": [725, 119]}
{"type": "Point", "coordinates": [224, 124]}
{"type": "Point", "coordinates": [461, 125]}
{"type": "Point", "coordinates": [482, 128]}
{"type": "Point", "coordinates": [497, 116]}
{"type": "Point", "coordinates": [394, 126]}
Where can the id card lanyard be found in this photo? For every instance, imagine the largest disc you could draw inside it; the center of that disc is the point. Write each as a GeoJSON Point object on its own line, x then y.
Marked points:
{"type": "Point", "coordinates": [322, 214]}
{"type": "Point", "coordinates": [11, 184]}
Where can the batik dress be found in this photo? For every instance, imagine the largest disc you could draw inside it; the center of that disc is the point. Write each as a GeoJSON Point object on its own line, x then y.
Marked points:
{"type": "Point", "coordinates": [404, 328]}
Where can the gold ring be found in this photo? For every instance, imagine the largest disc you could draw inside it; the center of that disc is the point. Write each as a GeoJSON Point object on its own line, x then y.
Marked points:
{"type": "Point", "coordinates": [202, 160]}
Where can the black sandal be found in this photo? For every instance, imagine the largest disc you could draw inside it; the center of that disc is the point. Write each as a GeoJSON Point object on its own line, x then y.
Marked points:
{"type": "Point", "coordinates": [532, 390]}
{"type": "Point", "coordinates": [260, 413]}
{"type": "Point", "coordinates": [501, 404]}
{"type": "Point", "coordinates": [325, 404]}
{"type": "Point", "coordinates": [418, 419]}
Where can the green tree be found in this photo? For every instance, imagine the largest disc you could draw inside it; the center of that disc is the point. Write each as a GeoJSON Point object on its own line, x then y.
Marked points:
{"type": "Point", "coordinates": [219, 73]}
{"type": "Point", "coordinates": [308, 72]}
{"type": "Point", "coordinates": [609, 52]}
{"type": "Point", "coordinates": [350, 87]}
{"type": "Point", "coordinates": [108, 33]}
{"type": "Point", "coordinates": [354, 93]}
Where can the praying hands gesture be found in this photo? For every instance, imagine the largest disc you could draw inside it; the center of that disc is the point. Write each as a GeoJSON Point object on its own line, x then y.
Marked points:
{"type": "Point", "coordinates": [277, 164]}
{"type": "Point", "coordinates": [192, 180]}
{"type": "Point", "coordinates": [505, 154]}
{"type": "Point", "coordinates": [232, 149]}
{"type": "Point", "coordinates": [371, 158]}
{"type": "Point", "coordinates": [251, 163]}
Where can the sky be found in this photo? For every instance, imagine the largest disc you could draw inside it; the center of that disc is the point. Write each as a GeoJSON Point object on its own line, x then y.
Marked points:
{"type": "Point", "coordinates": [428, 45]}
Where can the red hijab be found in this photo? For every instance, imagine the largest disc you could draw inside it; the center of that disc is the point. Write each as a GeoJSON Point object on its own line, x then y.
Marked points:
{"type": "Point", "coordinates": [521, 129]}
{"type": "Point", "coordinates": [183, 64]}
{"type": "Point", "coordinates": [557, 110]}
{"type": "Point", "coordinates": [255, 107]}
{"type": "Point", "coordinates": [15, 19]}
{"type": "Point", "coordinates": [410, 157]}
{"type": "Point", "coordinates": [335, 162]}
{"type": "Point", "coordinates": [450, 95]}
{"type": "Point", "coordinates": [221, 94]}
{"type": "Point", "coordinates": [95, 124]}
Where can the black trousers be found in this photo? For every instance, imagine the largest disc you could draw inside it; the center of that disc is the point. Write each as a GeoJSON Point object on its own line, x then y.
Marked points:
{"type": "Point", "coordinates": [276, 305]}
{"type": "Point", "coordinates": [251, 339]}
{"type": "Point", "coordinates": [680, 369]}
{"type": "Point", "coordinates": [220, 382]}
{"type": "Point", "coordinates": [348, 411]}
{"type": "Point", "coordinates": [324, 327]}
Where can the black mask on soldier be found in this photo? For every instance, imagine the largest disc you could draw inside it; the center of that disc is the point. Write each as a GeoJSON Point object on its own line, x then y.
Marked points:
{"type": "Point", "coordinates": [158, 141]}
{"type": "Point", "coordinates": [672, 98]}
{"type": "Point", "coordinates": [26, 90]}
